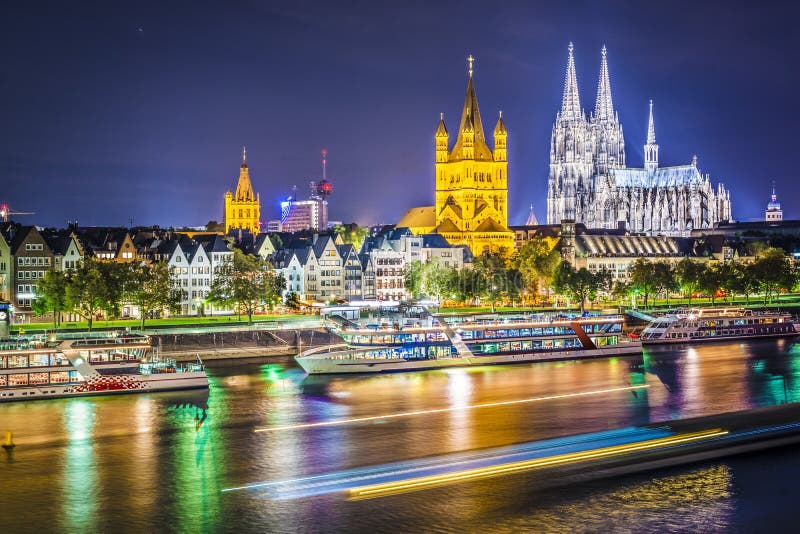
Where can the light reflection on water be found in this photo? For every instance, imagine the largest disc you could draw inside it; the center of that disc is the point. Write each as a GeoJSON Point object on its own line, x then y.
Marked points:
{"type": "Point", "coordinates": [147, 460]}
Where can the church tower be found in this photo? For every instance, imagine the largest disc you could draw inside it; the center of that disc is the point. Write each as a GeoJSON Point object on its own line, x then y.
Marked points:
{"type": "Point", "coordinates": [472, 181]}
{"type": "Point", "coordinates": [651, 148]}
{"type": "Point", "coordinates": [571, 154]}
{"type": "Point", "coordinates": [243, 207]}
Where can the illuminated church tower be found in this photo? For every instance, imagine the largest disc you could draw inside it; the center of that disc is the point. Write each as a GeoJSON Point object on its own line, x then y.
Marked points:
{"type": "Point", "coordinates": [243, 208]}
{"type": "Point", "coordinates": [472, 182]}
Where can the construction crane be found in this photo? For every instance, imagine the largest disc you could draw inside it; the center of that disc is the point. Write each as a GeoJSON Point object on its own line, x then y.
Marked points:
{"type": "Point", "coordinates": [5, 212]}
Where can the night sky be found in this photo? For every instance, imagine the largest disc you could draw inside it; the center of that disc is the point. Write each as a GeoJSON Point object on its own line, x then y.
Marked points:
{"type": "Point", "coordinates": [117, 110]}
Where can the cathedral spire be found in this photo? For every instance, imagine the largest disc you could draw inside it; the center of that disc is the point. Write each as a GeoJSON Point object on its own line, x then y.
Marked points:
{"type": "Point", "coordinates": [571, 102]}
{"type": "Point", "coordinates": [244, 156]}
{"type": "Point", "coordinates": [604, 107]}
{"type": "Point", "coordinates": [651, 129]}
{"type": "Point", "coordinates": [471, 123]}
{"type": "Point", "coordinates": [651, 148]}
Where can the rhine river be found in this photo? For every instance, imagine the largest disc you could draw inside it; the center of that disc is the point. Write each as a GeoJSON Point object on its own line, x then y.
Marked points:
{"type": "Point", "coordinates": [157, 462]}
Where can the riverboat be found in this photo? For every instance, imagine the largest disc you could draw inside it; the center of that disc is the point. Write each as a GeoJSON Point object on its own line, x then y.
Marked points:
{"type": "Point", "coordinates": [717, 324]}
{"type": "Point", "coordinates": [461, 341]}
{"type": "Point", "coordinates": [43, 368]}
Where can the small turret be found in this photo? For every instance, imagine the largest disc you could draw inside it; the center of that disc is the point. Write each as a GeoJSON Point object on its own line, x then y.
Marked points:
{"type": "Point", "coordinates": [651, 148]}
{"type": "Point", "coordinates": [468, 139]}
{"type": "Point", "coordinates": [442, 138]}
{"type": "Point", "coordinates": [500, 138]}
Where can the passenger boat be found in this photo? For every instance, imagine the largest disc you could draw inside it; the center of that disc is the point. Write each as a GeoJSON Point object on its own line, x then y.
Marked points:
{"type": "Point", "coordinates": [461, 341]}
{"type": "Point", "coordinates": [715, 324]}
{"type": "Point", "coordinates": [90, 365]}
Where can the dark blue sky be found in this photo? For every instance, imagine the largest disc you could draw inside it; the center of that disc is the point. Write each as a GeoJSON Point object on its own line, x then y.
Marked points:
{"type": "Point", "coordinates": [116, 110]}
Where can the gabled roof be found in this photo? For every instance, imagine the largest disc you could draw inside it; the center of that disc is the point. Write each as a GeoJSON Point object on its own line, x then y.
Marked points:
{"type": "Point", "coordinates": [422, 217]}
{"type": "Point", "coordinates": [321, 244]}
{"type": "Point", "coordinates": [434, 241]}
{"type": "Point", "coordinates": [447, 226]}
{"type": "Point", "coordinates": [490, 225]}
{"type": "Point", "coordinates": [20, 236]}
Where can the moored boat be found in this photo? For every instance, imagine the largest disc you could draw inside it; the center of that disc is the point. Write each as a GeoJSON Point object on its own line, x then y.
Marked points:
{"type": "Point", "coordinates": [717, 324]}
{"type": "Point", "coordinates": [461, 341]}
{"type": "Point", "coordinates": [39, 369]}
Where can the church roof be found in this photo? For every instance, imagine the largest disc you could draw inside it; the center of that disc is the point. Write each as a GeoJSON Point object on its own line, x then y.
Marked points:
{"type": "Point", "coordinates": [244, 189]}
{"type": "Point", "coordinates": [471, 120]}
{"type": "Point", "coordinates": [490, 225]}
{"type": "Point", "coordinates": [424, 216]}
{"type": "Point", "coordinates": [447, 226]}
{"type": "Point", "coordinates": [660, 177]}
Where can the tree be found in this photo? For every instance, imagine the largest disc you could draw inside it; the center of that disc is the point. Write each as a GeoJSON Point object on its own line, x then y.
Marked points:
{"type": "Point", "coordinates": [85, 291]}
{"type": "Point", "coordinates": [537, 262]}
{"type": "Point", "coordinates": [643, 278]}
{"type": "Point", "coordinates": [150, 288]}
{"type": "Point", "coordinates": [214, 226]}
{"type": "Point", "coordinates": [412, 277]}
{"type": "Point", "coordinates": [51, 295]}
{"type": "Point", "coordinates": [292, 301]}
{"type": "Point", "coordinates": [580, 284]}
{"type": "Point", "coordinates": [491, 276]}
{"type": "Point", "coordinates": [711, 281]}
{"type": "Point", "coordinates": [115, 280]}
{"type": "Point", "coordinates": [688, 274]}
{"type": "Point", "coordinates": [352, 234]}
{"type": "Point", "coordinates": [247, 283]}
{"type": "Point", "coordinates": [773, 272]}
{"type": "Point", "coordinates": [665, 281]}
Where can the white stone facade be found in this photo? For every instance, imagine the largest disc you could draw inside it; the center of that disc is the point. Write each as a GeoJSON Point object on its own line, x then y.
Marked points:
{"type": "Point", "coordinates": [590, 183]}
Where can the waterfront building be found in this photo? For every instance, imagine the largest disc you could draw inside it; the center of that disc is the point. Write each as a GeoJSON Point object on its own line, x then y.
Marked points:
{"type": "Point", "coordinates": [32, 257]}
{"type": "Point", "coordinates": [6, 265]}
{"type": "Point", "coordinates": [193, 266]}
{"type": "Point", "coordinates": [590, 183]}
{"type": "Point", "coordinates": [243, 206]}
{"type": "Point", "coordinates": [108, 244]}
{"type": "Point", "coordinates": [471, 184]}
{"type": "Point", "coordinates": [774, 212]}
{"type": "Point", "coordinates": [288, 263]}
{"type": "Point", "coordinates": [389, 253]}
{"type": "Point", "coordinates": [352, 271]}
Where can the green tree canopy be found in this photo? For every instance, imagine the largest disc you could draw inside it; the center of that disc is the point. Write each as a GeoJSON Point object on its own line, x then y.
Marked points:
{"type": "Point", "coordinates": [150, 288]}
{"type": "Point", "coordinates": [51, 295]}
{"type": "Point", "coordinates": [247, 284]}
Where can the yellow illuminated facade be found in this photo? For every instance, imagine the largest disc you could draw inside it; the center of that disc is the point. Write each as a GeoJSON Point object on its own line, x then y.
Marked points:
{"type": "Point", "coordinates": [471, 185]}
{"type": "Point", "coordinates": [243, 207]}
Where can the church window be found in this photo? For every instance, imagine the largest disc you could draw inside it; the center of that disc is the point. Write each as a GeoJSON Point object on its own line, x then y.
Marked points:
{"type": "Point", "coordinates": [240, 213]}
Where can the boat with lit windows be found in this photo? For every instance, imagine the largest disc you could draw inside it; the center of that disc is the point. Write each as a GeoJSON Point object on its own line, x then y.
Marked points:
{"type": "Point", "coordinates": [462, 341]}
{"type": "Point", "coordinates": [99, 364]}
{"type": "Point", "coordinates": [717, 324]}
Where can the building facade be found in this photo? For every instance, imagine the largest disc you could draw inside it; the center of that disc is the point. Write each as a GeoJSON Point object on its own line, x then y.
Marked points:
{"type": "Point", "coordinates": [774, 212]}
{"type": "Point", "coordinates": [243, 207]}
{"type": "Point", "coordinates": [471, 184]}
{"type": "Point", "coordinates": [590, 183]}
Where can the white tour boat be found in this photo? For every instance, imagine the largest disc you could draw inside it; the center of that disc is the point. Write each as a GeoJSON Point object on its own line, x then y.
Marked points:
{"type": "Point", "coordinates": [716, 324]}
{"type": "Point", "coordinates": [48, 368]}
{"type": "Point", "coordinates": [459, 341]}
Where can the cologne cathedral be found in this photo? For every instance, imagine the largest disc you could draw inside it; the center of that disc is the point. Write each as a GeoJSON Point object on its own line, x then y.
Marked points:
{"type": "Point", "coordinates": [590, 183]}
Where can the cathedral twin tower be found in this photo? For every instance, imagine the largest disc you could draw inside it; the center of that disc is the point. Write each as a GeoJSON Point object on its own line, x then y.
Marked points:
{"type": "Point", "coordinates": [590, 183]}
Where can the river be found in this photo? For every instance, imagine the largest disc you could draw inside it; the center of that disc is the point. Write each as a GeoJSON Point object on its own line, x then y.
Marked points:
{"type": "Point", "coordinates": [180, 462]}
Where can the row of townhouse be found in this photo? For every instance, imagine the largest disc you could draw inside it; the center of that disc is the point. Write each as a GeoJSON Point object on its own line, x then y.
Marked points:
{"type": "Point", "coordinates": [28, 252]}
{"type": "Point", "coordinates": [327, 270]}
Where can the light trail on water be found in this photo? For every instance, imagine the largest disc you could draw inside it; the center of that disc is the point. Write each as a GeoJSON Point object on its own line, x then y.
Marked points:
{"type": "Point", "coordinates": [449, 409]}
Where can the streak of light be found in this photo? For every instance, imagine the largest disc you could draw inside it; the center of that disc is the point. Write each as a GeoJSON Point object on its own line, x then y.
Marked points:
{"type": "Point", "coordinates": [392, 488]}
{"type": "Point", "coordinates": [449, 409]}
